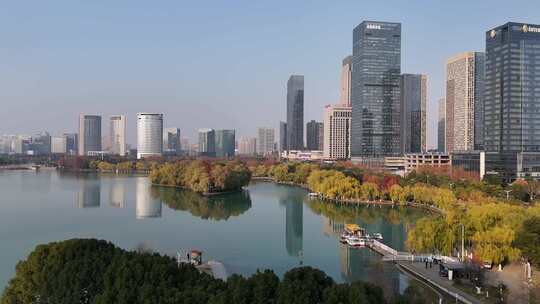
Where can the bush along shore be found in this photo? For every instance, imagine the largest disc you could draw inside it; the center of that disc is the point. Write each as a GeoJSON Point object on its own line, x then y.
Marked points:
{"type": "Point", "coordinates": [95, 271]}
{"type": "Point", "coordinates": [202, 176]}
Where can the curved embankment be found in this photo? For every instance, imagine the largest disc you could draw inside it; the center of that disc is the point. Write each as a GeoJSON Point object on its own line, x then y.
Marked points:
{"type": "Point", "coordinates": [430, 208]}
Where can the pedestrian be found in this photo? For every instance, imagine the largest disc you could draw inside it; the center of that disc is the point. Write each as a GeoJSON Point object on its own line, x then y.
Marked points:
{"type": "Point", "coordinates": [426, 263]}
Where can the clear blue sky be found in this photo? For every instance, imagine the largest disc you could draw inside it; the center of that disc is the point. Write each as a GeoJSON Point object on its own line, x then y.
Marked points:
{"type": "Point", "coordinates": [218, 64]}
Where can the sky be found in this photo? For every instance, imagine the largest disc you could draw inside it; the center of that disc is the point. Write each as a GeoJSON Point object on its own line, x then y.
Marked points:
{"type": "Point", "coordinates": [216, 64]}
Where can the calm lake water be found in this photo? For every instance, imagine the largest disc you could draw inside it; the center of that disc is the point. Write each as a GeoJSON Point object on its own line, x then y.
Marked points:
{"type": "Point", "coordinates": [266, 226]}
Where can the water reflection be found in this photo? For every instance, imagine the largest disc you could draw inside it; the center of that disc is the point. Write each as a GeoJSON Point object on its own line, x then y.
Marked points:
{"type": "Point", "coordinates": [117, 194]}
{"type": "Point", "coordinates": [146, 205]}
{"type": "Point", "coordinates": [89, 194]}
{"type": "Point", "coordinates": [294, 222]}
{"type": "Point", "coordinates": [216, 208]}
{"type": "Point", "coordinates": [392, 223]}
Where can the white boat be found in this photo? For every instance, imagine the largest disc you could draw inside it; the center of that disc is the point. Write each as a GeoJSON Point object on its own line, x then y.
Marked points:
{"type": "Point", "coordinates": [356, 241]}
{"type": "Point", "coordinates": [313, 194]}
{"type": "Point", "coordinates": [377, 236]}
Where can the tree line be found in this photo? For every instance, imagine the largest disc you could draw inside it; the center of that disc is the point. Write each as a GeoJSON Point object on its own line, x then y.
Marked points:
{"type": "Point", "coordinates": [96, 271]}
{"type": "Point", "coordinates": [202, 176]}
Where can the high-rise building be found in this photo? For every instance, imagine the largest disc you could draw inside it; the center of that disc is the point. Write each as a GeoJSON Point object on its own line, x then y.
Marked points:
{"type": "Point", "coordinates": [265, 141]}
{"type": "Point", "coordinates": [40, 144]}
{"type": "Point", "coordinates": [247, 146]}
{"type": "Point", "coordinates": [117, 134]}
{"type": "Point", "coordinates": [89, 134]}
{"type": "Point", "coordinates": [72, 142]}
{"type": "Point", "coordinates": [314, 135]}
{"type": "Point", "coordinates": [441, 126]}
{"type": "Point", "coordinates": [375, 93]}
{"type": "Point", "coordinates": [282, 136]}
{"type": "Point", "coordinates": [464, 105]}
{"type": "Point", "coordinates": [207, 142]}
{"type": "Point", "coordinates": [184, 144]}
{"type": "Point", "coordinates": [413, 113]}
{"type": "Point", "coordinates": [58, 145]}
{"type": "Point", "coordinates": [149, 135]}
{"type": "Point", "coordinates": [346, 69]}
{"type": "Point", "coordinates": [512, 100]}
{"type": "Point", "coordinates": [295, 113]}
{"type": "Point", "coordinates": [337, 132]}
{"type": "Point", "coordinates": [171, 141]}
{"type": "Point", "coordinates": [225, 142]}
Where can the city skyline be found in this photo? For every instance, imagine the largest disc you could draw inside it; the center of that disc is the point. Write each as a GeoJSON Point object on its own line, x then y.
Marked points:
{"type": "Point", "coordinates": [48, 84]}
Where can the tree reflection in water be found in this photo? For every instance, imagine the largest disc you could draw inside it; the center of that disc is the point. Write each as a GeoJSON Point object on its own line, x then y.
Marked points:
{"type": "Point", "coordinates": [216, 208]}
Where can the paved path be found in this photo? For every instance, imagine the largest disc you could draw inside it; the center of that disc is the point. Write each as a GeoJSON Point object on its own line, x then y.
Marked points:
{"type": "Point", "coordinates": [431, 275]}
{"type": "Point", "coordinates": [513, 276]}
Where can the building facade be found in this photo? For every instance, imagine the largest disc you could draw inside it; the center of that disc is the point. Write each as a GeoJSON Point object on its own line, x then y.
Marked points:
{"type": "Point", "coordinates": [89, 134]}
{"type": "Point", "coordinates": [171, 141]}
{"type": "Point", "coordinates": [413, 113]}
{"type": "Point", "coordinates": [117, 134]}
{"type": "Point", "coordinates": [265, 141]}
{"type": "Point", "coordinates": [207, 142]}
{"type": "Point", "coordinates": [295, 113]}
{"type": "Point", "coordinates": [512, 99]}
{"type": "Point", "coordinates": [149, 135]}
{"type": "Point", "coordinates": [337, 132]}
{"type": "Point", "coordinates": [58, 145]}
{"type": "Point", "coordinates": [464, 101]}
{"type": "Point", "coordinates": [225, 142]}
{"type": "Point", "coordinates": [314, 135]}
{"type": "Point", "coordinates": [282, 136]}
{"type": "Point", "coordinates": [375, 93]}
{"type": "Point", "coordinates": [345, 92]}
{"type": "Point", "coordinates": [247, 146]}
{"type": "Point", "coordinates": [441, 125]}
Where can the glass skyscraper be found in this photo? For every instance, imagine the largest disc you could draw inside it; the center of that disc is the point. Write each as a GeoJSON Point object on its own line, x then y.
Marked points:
{"type": "Point", "coordinates": [225, 142]}
{"type": "Point", "coordinates": [295, 113]}
{"type": "Point", "coordinates": [413, 113]}
{"type": "Point", "coordinates": [375, 92]}
{"type": "Point", "coordinates": [512, 97]}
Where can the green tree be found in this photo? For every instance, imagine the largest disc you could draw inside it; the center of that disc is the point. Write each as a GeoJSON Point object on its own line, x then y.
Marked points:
{"type": "Point", "coordinates": [528, 240]}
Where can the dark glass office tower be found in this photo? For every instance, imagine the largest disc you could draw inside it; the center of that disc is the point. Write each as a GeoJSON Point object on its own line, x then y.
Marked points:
{"type": "Point", "coordinates": [512, 97]}
{"type": "Point", "coordinates": [375, 93]}
{"type": "Point", "coordinates": [225, 141]}
{"type": "Point", "coordinates": [282, 136]}
{"type": "Point", "coordinates": [295, 113]}
{"type": "Point", "coordinates": [314, 135]}
{"type": "Point", "coordinates": [413, 113]}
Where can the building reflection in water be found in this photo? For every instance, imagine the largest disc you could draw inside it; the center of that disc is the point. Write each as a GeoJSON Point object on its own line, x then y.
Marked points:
{"type": "Point", "coordinates": [89, 195]}
{"type": "Point", "coordinates": [146, 206]}
{"type": "Point", "coordinates": [294, 220]}
{"type": "Point", "coordinates": [363, 264]}
{"type": "Point", "coordinates": [117, 195]}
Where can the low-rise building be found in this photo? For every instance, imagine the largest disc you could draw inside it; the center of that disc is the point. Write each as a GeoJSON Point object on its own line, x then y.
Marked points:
{"type": "Point", "coordinates": [472, 161]}
{"type": "Point", "coordinates": [303, 155]}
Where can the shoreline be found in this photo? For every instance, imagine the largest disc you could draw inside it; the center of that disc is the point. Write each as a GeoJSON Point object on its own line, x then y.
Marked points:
{"type": "Point", "coordinates": [352, 202]}
{"type": "Point", "coordinates": [205, 194]}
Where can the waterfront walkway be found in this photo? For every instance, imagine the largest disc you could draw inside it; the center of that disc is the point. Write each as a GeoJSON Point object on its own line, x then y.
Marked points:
{"type": "Point", "coordinates": [431, 276]}
{"type": "Point", "coordinates": [415, 265]}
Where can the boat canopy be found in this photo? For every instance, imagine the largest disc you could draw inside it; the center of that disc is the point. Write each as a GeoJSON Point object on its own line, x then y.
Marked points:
{"type": "Point", "coordinates": [353, 227]}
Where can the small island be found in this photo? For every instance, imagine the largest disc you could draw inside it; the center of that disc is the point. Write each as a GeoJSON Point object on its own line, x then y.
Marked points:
{"type": "Point", "coordinates": [202, 176]}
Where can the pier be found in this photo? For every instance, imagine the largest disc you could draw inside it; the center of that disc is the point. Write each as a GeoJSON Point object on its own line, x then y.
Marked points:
{"type": "Point", "coordinates": [414, 265]}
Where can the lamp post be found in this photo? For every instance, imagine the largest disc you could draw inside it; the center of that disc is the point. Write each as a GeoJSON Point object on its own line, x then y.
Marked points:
{"type": "Point", "coordinates": [462, 242]}
{"type": "Point", "coordinates": [507, 194]}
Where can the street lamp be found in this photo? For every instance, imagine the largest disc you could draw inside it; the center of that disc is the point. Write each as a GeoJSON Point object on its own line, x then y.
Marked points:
{"type": "Point", "coordinates": [462, 242]}
{"type": "Point", "coordinates": [507, 194]}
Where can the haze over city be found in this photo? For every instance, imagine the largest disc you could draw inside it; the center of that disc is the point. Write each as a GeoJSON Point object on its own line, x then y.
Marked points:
{"type": "Point", "coordinates": [213, 64]}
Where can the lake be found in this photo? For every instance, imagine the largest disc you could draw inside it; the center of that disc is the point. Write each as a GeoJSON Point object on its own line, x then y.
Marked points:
{"type": "Point", "coordinates": [266, 226]}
